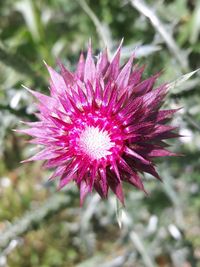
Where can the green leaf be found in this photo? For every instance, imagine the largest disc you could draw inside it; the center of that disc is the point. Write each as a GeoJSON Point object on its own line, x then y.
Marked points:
{"type": "Point", "coordinates": [177, 83]}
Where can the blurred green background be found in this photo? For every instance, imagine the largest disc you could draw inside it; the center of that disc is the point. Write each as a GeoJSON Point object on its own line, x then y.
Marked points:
{"type": "Point", "coordinates": [45, 228]}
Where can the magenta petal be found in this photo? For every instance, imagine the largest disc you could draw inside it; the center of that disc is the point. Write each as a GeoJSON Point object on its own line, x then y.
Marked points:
{"type": "Point", "coordinates": [136, 181]}
{"type": "Point", "coordinates": [161, 129]}
{"type": "Point", "coordinates": [90, 70]}
{"type": "Point", "coordinates": [154, 97]}
{"type": "Point", "coordinates": [84, 190]}
{"type": "Point", "coordinates": [116, 187]}
{"type": "Point", "coordinates": [60, 160]}
{"type": "Point", "coordinates": [103, 184]}
{"type": "Point", "coordinates": [125, 167]}
{"type": "Point", "coordinates": [60, 123]}
{"type": "Point", "coordinates": [120, 102]}
{"type": "Point", "coordinates": [135, 76]}
{"type": "Point", "coordinates": [37, 132]}
{"type": "Point", "coordinates": [82, 171]}
{"type": "Point", "coordinates": [83, 97]}
{"type": "Point", "coordinates": [98, 93]}
{"type": "Point", "coordinates": [102, 63]}
{"type": "Point", "coordinates": [80, 67]}
{"type": "Point", "coordinates": [57, 80]}
{"type": "Point", "coordinates": [165, 114]}
{"type": "Point", "coordinates": [90, 93]}
{"type": "Point", "coordinates": [34, 124]}
{"type": "Point", "coordinates": [147, 168]}
{"type": "Point", "coordinates": [99, 188]}
{"type": "Point", "coordinates": [143, 127]}
{"type": "Point", "coordinates": [107, 93]}
{"type": "Point", "coordinates": [49, 101]}
{"type": "Point", "coordinates": [113, 69]}
{"type": "Point", "coordinates": [123, 77]}
{"type": "Point", "coordinates": [134, 154]}
{"type": "Point", "coordinates": [160, 153]}
{"type": "Point", "coordinates": [69, 175]}
{"type": "Point", "coordinates": [65, 179]}
{"type": "Point", "coordinates": [58, 172]}
{"type": "Point", "coordinates": [115, 169]}
{"type": "Point", "coordinates": [66, 74]}
{"type": "Point", "coordinates": [146, 85]}
{"type": "Point", "coordinates": [44, 155]}
{"type": "Point", "coordinates": [93, 175]}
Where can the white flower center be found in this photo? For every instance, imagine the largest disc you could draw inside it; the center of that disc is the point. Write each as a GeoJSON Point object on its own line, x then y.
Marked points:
{"type": "Point", "coordinates": [95, 142]}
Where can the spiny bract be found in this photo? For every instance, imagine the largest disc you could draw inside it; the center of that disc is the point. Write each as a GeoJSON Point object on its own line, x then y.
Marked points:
{"type": "Point", "coordinates": [101, 125]}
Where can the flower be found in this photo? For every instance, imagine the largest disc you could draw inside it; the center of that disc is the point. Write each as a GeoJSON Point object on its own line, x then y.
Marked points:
{"type": "Point", "coordinates": [101, 125]}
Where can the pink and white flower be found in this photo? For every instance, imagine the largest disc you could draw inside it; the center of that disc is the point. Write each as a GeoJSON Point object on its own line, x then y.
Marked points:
{"type": "Point", "coordinates": [101, 125]}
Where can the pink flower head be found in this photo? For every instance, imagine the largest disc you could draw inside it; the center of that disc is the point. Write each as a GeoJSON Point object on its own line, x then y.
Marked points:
{"type": "Point", "coordinates": [101, 125]}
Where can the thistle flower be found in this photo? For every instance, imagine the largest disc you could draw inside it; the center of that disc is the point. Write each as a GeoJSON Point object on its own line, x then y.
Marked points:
{"type": "Point", "coordinates": [101, 125]}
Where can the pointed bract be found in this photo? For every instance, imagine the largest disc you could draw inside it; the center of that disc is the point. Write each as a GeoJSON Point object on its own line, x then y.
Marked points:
{"type": "Point", "coordinates": [66, 74]}
{"type": "Point", "coordinates": [90, 69]}
{"type": "Point", "coordinates": [123, 77]}
{"type": "Point", "coordinates": [80, 67]}
{"type": "Point", "coordinates": [113, 68]}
